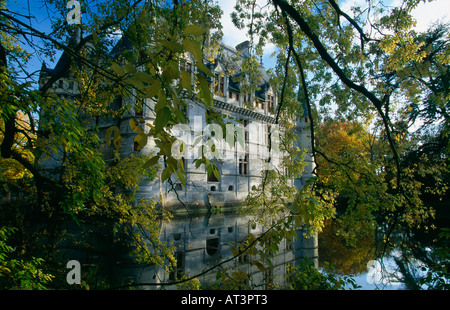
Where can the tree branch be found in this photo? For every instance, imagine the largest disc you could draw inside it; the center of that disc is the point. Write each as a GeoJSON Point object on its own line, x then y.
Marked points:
{"type": "Point", "coordinates": [305, 87]}
{"type": "Point", "coordinates": [322, 50]}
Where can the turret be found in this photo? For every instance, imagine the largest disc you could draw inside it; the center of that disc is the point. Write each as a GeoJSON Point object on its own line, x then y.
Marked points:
{"type": "Point", "coordinates": [303, 127]}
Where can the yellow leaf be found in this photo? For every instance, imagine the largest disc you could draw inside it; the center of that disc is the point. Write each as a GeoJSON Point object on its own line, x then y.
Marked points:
{"type": "Point", "coordinates": [234, 251]}
{"type": "Point", "coordinates": [135, 126]}
{"type": "Point", "coordinates": [108, 133]}
{"type": "Point", "coordinates": [141, 139]}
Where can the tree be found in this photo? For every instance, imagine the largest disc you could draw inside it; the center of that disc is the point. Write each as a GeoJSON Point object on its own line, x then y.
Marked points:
{"type": "Point", "coordinates": [367, 65]}
{"type": "Point", "coordinates": [89, 200]}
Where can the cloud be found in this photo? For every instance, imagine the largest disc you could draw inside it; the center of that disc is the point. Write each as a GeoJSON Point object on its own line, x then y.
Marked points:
{"type": "Point", "coordinates": [428, 13]}
{"type": "Point", "coordinates": [232, 36]}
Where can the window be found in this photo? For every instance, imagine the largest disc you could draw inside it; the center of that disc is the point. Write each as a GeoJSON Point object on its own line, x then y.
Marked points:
{"type": "Point", "coordinates": [245, 122]}
{"type": "Point", "coordinates": [136, 146]}
{"type": "Point", "coordinates": [270, 103]}
{"type": "Point", "coordinates": [178, 271]}
{"type": "Point", "coordinates": [268, 278]}
{"type": "Point", "coordinates": [187, 66]}
{"type": "Point", "coordinates": [268, 129]}
{"type": "Point", "coordinates": [237, 97]}
{"type": "Point", "coordinates": [243, 165]}
{"type": "Point", "coordinates": [212, 177]}
{"type": "Point", "coordinates": [219, 85]}
{"type": "Point", "coordinates": [138, 108]}
{"type": "Point", "coordinates": [230, 94]}
{"type": "Point", "coordinates": [212, 246]}
{"type": "Point", "coordinates": [243, 258]}
{"type": "Point", "coordinates": [230, 188]}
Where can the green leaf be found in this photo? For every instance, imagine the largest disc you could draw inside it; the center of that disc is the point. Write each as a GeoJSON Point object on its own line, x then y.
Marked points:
{"type": "Point", "coordinates": [180, 117]}
{"type": "Point", "coordinates": [154, 89]}
{"type": "Point", "coordinates": [135, 82]}
{"type": "Point", "coordinates": [144, 77]}
{"type": "Point", "coordinates": [181, 177]}
{"type": "Point", "coordinates": [117, 69]}
{"type": "Point", "coordinates": [151, 162]}
{"type": "Point", "coordinates": [173, 46]}
{"type": "Point", "coordinates": [194, 47]}
{"type": "Point", "coordinates": [163, 116]}
{"type": "Point", "coordinates": [166, 173]}
{"type": "Point", "coordinates": [216, 172]}
{"type": "Point", "coordinates": [204, 69]}
{"type": "Point", "coordinates": [259, 265]}
{"type": "Point", "coordinates": [171, 71]}
{"type": "Point", "coordinates": [162, 102]}
{"type": "Point", "coordinates": [129, 68]}
{"type": "Point", "coordinates": [205, 91]}
{"type": "Point", "coordinates": [186, 82]}
{"type": "Point", "coordinates": [198, 163]}
{"type": "Point", "coordinates": [194, 30]}
{"type": "Point", "coordinates": [234, 251]}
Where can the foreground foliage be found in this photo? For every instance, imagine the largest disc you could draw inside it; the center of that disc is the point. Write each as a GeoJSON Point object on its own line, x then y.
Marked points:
{"type": "Point", "coordinates": [374, 176]}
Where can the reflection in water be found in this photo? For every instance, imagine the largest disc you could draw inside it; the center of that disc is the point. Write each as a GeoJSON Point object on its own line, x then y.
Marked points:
{"type": "Point", "coordinates": [381, 274]}
{"type": "Point", "coordinates": [204, 242]}
{"type": "Point", "coordinates": [359, 259]}
{"type": "Point", "coordinates": [349, 257]}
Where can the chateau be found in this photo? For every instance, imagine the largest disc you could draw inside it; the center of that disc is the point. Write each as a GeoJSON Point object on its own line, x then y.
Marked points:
{"type": "Point", "coordinates": [205, 223]}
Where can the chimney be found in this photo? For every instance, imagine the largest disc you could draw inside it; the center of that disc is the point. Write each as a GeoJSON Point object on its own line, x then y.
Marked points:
{"type": "Point", "coordinates": [244, 48]}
